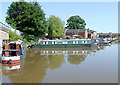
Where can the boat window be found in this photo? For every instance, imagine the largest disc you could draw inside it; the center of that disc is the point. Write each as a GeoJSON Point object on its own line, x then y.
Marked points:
{"type": "Point", "coordinates": [52, 42]}
{"type": "Point", "coordinates": [6, 48]}
{"type": "Point", "coordinates": [75, 42]}
{"type": "Point", "coordinates": [13, 50]}
{"type": "Point", "coordinates": [85, 41]}
{"type": "Point", "coordinates": [64, 42]}
{"type": "Point", "coordinates": [12, 46]}
{"type": "Point", "coordinates": [55, 42]}
{"type": "Point", "coordinates": [43, 42]}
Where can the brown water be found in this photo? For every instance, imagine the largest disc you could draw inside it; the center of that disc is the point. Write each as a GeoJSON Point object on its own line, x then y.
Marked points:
{"type": "Point", "coordinates": [72, 65]}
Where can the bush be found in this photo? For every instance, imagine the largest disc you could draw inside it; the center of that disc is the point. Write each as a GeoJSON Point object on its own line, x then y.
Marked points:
{"type": "Point", "coordinates": [14, 37]}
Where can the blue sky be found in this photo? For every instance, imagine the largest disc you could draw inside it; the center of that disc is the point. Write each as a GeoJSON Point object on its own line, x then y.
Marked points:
{"type": "Point", "coordinates": [99, 16]}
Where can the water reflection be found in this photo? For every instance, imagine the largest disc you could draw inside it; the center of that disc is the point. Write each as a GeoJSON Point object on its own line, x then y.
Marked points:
{"type": "Point", "coordinates": [55, 61]}
{"type": "Point", "coordinates": [10, 66]}
{"type": "Point", "coordinates": [76, 59]}
{"type": "Point", "coordinates": [34, 68]}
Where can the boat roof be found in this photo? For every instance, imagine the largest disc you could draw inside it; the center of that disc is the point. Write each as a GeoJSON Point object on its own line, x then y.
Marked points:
{"type": "Point", "coordinates": [16, 42]}
{"type": "Point", "coordinates": [66, 40]}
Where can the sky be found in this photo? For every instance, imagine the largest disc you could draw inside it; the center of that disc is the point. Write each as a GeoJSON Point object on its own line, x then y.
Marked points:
{"type": "Point", "coordinates": [99, 16]}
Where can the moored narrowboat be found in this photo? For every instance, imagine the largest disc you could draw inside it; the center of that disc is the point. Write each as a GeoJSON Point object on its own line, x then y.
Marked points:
{"type": "Point", "coordinates": [13, 52]}
{"type": "Point", "coordinates": [65, 43]}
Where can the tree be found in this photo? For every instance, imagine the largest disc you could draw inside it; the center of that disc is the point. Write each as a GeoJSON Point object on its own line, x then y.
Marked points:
{"type": "Point", "coordinates": [55, 27]}
{"type": "Point", "coordinates": [30, 37]}
{"type": "Point", "coordinates": [27, 17]}
{"type": "Point", "coordinates": [76, 22]}
{"type": "Point", "coordinates": [114, 36]}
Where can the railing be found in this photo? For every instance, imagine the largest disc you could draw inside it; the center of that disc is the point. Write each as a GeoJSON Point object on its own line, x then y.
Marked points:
{"type": "Point", "coordinates": [4, 27]}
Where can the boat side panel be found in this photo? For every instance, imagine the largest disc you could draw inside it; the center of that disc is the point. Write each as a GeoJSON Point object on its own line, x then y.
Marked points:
{"type": "Point", "coordinates": [75, 42]}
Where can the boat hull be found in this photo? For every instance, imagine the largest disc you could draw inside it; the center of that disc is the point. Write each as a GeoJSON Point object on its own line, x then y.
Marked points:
{"type": "Point", "coordinates": [10, 60]}
{"type": "Point", "coordinates": [64, 46]}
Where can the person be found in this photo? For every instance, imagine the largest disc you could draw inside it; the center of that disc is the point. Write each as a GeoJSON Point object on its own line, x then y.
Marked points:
{"type": "Point", "coordinates": [10, 53]}
{"type": "Point", "coordinates": [11, 47]}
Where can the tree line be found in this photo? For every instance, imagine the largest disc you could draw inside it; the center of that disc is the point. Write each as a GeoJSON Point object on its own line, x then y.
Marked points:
{"type": "Point", "coordinates": [29, 17]}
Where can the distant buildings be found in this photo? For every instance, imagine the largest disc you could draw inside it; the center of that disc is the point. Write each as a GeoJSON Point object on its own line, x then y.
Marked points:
{"type": "Point", "coordinates": [116, 34]}
{"type": "Point", "coordinates": [92, 34]}
{"type": "Point", "coordinates": [77, 32]}
{"type": "Point", "coordinates": [81, 33]}
{"type": "Point", "coordinates": [105, 35]}
{"type": "Point", "coordinates": [108, 35]}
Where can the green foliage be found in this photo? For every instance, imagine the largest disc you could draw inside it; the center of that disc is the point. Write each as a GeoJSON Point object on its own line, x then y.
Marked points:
{"type": "Point", "coordinates": [55, 27]}
{"type": "Point", "coordinates": [88, 29]}
{"type": "Point", "coordinates": [76, 22]}
{"type": "Point", "coordinates": [25, 40]}
{"type": "Point", "coordinates": [30, 37]}
{"type": "Point", "coordinates": [114, 36]}
{"type": "Point", "coordinates": [27, 17]}
{"type": "Point", "coordinates": [13, 36]}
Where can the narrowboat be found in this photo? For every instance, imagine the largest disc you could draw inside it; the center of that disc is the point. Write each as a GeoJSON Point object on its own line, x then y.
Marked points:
{"type": "Point", "coordinates": [102, 41]}
{"type": "Point", "coordinates": [13, 52]}
{"type": "Point", "coordinates": [64, 43]}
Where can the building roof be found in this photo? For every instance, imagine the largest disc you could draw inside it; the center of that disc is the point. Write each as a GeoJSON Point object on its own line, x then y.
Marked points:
{"type": "Point", "coordinates": [91, 31]}
{"type": "Point", "coordinates": [103, 33]}
{"type": "Point", "coordinates": [75, 30]}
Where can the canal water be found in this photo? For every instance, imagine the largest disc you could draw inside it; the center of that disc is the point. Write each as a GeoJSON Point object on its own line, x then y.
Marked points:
{"type": "Point", "coordinates": [60, 65]}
